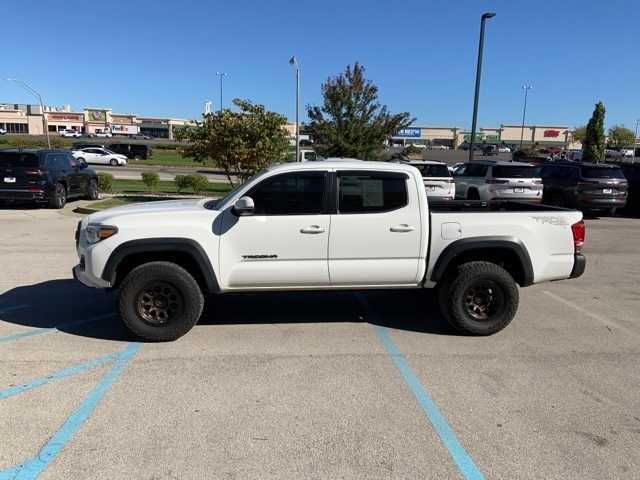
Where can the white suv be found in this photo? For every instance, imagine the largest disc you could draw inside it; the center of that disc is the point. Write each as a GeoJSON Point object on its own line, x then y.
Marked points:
{"type": "Point", "coordinates": [436, 178]}
{"type": "Point", "coordinates": [495, 180]}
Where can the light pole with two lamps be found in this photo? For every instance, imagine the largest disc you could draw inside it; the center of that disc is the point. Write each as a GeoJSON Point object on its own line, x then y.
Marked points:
{"type": "Point", "coordinates": [31, 90]}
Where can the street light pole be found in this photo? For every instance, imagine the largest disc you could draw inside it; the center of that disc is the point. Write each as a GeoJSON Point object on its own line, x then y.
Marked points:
{"type": "Point", "coordinates": [526, 89]}
{"type": "Point", "coordinates": [293, 61]}
{"type": "Point", "coordinates": [221, 75]}
{"type": "Point", "coordinates": [483, 19]}
{"type": "Point", "coordinates": [31, 90]}
{"type": "Point", "coordinates": [635, 140]}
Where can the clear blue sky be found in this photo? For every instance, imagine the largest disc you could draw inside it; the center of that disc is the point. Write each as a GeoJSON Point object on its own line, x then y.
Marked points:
{"type": "Point", "coordinates": [160, 57]}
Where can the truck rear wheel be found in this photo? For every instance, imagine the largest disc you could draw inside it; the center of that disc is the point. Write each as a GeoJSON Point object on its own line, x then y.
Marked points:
{"type": "Point", "coordinates": [160, 301]}
{"type": "Point", "coordinates": [481, 298]}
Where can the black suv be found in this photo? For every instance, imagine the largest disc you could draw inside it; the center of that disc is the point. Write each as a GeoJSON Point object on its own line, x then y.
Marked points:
{"type": "Point", "coordinates": [44, 176]}
{"type": "Point", "coordinates": [132, 150]}
{"type": "Point", "coordinates": [588, 186]}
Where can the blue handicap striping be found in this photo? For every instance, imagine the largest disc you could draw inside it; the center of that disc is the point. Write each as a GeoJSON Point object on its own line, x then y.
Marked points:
{"type": "Point", "coordinates": [59, 375]}
{"type": "Point", "coordinates": [33, 467]}
{"type": "Point", "coordinates": [462, 459]}
{"type": "Point", "coordinates": [41, 331]}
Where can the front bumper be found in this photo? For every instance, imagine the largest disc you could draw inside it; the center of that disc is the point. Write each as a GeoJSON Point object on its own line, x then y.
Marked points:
{"type": "Point", "coordinates": [579, 265]}
{"type": "Point", "coordinates": [80, 274]}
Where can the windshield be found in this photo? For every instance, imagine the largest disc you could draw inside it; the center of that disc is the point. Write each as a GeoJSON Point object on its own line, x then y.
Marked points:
{"type": "Point", "coordinates": [516, 171]}
{"type": "Point", "coordinates": [18, 160]}
{"type": "Point", "coordinates": [433, 170]}
{"type": "Point", "coordinates": [602, 172]}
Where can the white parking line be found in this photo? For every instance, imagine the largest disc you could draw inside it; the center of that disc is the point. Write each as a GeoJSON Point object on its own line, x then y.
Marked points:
{"type": "Point", "coordinates": [605, 321]}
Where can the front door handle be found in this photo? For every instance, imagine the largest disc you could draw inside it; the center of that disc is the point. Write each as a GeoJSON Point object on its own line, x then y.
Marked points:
{"type": "Point", "coordinates": [402, 228]}
{"type": "Point", "coordinates": [312, 229]}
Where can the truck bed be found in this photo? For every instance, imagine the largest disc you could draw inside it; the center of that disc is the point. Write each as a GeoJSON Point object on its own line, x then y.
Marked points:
{"type": "Point", "coordinates": [437, 206]}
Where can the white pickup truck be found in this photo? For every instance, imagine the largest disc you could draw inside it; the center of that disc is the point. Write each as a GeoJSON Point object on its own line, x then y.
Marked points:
{"type": "Point", "coordinates": [335, 224]}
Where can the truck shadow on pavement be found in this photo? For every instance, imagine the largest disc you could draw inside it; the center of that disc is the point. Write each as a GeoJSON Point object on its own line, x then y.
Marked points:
{"type": "Point", "coordinates": [72, 308]}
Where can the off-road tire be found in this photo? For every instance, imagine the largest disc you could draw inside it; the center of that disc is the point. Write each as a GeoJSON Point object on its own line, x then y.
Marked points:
{"type": "Point", "coordinates": [456, 289]}
{"type": "Point", "coordinates": [137, 284]}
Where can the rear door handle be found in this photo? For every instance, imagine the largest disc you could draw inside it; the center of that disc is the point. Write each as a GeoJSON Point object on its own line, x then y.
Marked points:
{"type": "Point", "coordinates": [403, 227]}
{"type": "Point", "coordinates": [312, 229]}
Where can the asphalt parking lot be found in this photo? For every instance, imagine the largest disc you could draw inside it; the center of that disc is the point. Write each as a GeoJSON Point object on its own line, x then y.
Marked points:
{"type": "Point", "coordinates": [353, 385]}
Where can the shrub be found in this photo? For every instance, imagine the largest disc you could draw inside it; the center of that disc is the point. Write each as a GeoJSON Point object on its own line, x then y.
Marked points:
{"type": "Point", "coordinates": [182, 182]}
{"type": "Point", "coordinates": [151, 180]}
{"type": "Point", "coordinates": [105, 182]}
{"type": "Point", "coordinates": [198, 182]}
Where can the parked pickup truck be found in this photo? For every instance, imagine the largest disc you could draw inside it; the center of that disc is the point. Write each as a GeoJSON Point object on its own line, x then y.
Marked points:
{"type": "Point", "coordinates": [330, 225]}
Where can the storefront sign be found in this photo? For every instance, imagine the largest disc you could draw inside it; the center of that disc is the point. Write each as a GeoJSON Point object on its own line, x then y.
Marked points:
{"type": "Point", "coordinates": [97, 115]}
{"type": "Point", "coordinates": [410, 132]}
{"type": "Point", "coordinates": [125, 129]}
{"type": "Point", "coordinates": [65, 117]}
{"type": "Point", "coordinates": [551, 133]}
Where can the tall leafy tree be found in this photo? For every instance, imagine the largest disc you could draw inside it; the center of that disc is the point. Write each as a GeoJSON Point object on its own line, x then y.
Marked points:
{"type": "Point", "coordinates": [351, 122]}
{"type": "Point", "coordinates": [619, 136]}
{"type": "Point", "coordinates": [240, 142]}
{"type": "Point", "coordinates": [579, 133]}
{"type": "Point", "coordinates": [593, 143]}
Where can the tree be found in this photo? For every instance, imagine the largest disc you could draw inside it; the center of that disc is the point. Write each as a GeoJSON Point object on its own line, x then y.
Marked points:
{"type": "Point", "coordinates": [579, 134]}
{"type": "Point", "coordinates": [351, 122]}
{"type": "Point", "coordinates": [619, 136]}
{"type": "Point", "coordinates": [240, 142]}
{"type": "Point", "coordinates": [593, 143]}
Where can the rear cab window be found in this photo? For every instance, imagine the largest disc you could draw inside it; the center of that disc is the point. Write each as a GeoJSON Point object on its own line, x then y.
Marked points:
{"type": "Point", "coordinates": [371, 192]}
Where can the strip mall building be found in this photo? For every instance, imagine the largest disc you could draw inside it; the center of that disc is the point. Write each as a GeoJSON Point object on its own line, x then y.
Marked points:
{"type": "Point", "coordinates": [28, 119]}
{"type": "Point", "coordinates": [453, 137]}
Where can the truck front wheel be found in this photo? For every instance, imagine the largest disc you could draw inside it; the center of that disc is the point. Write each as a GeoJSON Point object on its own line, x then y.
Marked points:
{"type": "Point", "coordinates": [160, 301]}
{"type": "Point", "coordinates": [481, 298]}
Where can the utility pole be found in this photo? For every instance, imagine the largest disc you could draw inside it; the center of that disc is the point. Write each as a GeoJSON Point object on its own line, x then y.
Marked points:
{"type": "Point", "coordinates": [293, 61]}
{"type": "Point", "coordinates": [31, 90]}
{"type": "Point", "coordinates": [483, 19]}
{"type": "Point", "coordinates": [526, 89]}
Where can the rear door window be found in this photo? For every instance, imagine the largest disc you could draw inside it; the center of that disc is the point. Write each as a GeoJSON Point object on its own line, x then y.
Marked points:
{"type": "Point", "coordinates": [371, 192]}
{"type": "Point", "coordinates": [19, 160]}
{"type": "Point", "coordinates": [475, 170]}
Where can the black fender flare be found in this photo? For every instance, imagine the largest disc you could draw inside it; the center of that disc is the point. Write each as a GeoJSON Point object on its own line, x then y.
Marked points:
{"type": "Point", "coordinates": [160, 245]}
{"type": "Point", "coordinates": [464, 245]}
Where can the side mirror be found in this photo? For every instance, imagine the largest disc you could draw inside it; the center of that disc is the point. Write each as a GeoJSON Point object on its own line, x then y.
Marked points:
{"type": "Point", "coordinates": [244, 206]}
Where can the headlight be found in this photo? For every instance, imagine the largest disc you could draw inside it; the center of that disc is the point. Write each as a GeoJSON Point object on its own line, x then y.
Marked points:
{"type": "Point", "coordinates": [96, 233]}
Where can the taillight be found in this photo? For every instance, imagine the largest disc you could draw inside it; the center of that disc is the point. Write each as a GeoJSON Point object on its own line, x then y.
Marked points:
{"type": "Point", "coordinates": [36, 172]}
{"type": "Point", "coordinates": [578, 230]}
